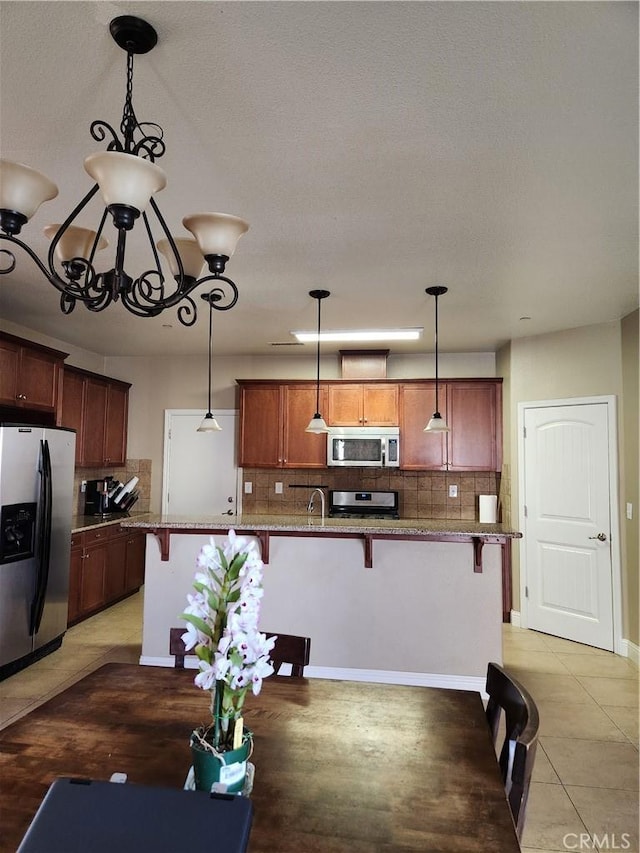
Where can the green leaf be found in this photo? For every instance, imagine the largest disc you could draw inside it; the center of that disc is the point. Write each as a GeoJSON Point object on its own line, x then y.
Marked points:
{"type": "Point", "coordinates": [198, 623]}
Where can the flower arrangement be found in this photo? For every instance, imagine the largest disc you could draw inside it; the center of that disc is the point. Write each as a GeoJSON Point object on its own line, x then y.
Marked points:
{"type": "Point", "coordinates": [222, 628]}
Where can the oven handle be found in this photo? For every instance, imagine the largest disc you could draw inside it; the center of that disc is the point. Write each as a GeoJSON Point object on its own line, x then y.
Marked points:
{"type": "Point", "coordinates": [383, 447]}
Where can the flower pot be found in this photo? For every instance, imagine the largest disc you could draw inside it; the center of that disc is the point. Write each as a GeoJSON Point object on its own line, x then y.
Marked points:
{"type": "Point", "coordinates": [225, 768]}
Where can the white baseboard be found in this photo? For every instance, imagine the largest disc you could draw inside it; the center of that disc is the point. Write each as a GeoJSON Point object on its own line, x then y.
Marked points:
{"type": "Point", "coordinates": [376, 676]}
{"type": "Point", "coordinates": [515, 618]}
{"type": "Point", "coordinates": [630, 650]}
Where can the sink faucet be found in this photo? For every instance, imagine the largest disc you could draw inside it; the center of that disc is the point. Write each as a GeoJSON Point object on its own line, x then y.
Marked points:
{"type": "Point", "coordinates": [310, 505]}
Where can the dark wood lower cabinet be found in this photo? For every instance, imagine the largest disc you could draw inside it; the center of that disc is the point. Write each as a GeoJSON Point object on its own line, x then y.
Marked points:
{"type": "Point", "coordinates": [107, 564]}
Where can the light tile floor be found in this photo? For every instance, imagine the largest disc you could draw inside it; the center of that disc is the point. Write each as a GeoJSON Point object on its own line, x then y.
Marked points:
{"type": "Point", "coordinates": [584, 794]}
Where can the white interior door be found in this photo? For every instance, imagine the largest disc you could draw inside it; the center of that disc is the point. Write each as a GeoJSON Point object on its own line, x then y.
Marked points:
{"type": "Point", "coordinates": [199, 475]}
{"type": "Point", "coordinates": [568, 522]}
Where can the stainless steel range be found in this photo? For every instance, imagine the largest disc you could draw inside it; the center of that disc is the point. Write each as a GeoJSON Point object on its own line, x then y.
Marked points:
{"type": "Point", "coordinates": [347, 504]}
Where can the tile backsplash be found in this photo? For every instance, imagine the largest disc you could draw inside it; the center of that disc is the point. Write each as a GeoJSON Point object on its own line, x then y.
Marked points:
{"type": "Point", "coordinates": [421, 494]}
{"type": "Point", "coordinates": [140, 468]}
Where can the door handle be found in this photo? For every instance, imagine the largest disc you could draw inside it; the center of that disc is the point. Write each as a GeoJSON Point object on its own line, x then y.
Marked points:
{"type": "Point", "coordinates": [602, 537]}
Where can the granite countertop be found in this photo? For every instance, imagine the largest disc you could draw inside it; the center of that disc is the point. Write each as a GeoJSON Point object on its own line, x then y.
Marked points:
{"type": "Point", "coordinates": [302, 524]}
{"type": "Point", "coordinates": [81, 523]}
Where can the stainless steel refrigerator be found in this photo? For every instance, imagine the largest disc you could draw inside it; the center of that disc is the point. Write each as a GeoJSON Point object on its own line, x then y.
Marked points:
{"type": "Point", "coordinates": [36, 492]}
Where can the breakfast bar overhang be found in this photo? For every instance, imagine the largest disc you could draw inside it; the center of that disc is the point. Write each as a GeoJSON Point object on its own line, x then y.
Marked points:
{"type": "Point", "coordinates": [418, 602]}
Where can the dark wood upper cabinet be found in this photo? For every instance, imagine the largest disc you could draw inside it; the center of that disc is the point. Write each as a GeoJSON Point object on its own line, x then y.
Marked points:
{"type": "Point", "coordinates": [473, 411]}
{"type": "Point", "coordinates": [97, 408]}
{"type": "Point", "coordinates": [30, 375]}
{"type": "Point", "coordinates": [273, 420]}
{"type": "Point", "coordinates": [419, 450]}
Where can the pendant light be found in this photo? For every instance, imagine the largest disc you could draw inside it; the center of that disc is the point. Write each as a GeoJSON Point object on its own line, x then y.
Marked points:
{"type": "Point", "coordinates": [209, 423]}
{"type": "Point", "coordinates": [437, 422]}
{"type": "Point", "coordinates": [317, 424]}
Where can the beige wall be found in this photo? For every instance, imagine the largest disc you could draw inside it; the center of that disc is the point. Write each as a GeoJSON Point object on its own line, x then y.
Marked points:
{"type": "Point", "coordinates": [630, 467]}
{"type": "Point", "coordinates": [583, 362]}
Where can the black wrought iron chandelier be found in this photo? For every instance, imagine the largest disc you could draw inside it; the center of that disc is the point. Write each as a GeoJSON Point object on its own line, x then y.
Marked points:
{"type": "Point", "coordinates": [437, 423]}
{"type": "Point", "coordinates": [127, 177]}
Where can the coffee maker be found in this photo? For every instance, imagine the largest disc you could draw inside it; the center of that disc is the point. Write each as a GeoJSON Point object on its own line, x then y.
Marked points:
{"type": "Point", "coordinates": [96, 499]}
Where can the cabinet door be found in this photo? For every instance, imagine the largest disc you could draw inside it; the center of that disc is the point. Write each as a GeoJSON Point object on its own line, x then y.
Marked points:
{"type": "Point", "coordinates": [73, 405]}
{"type": "Point", "coordinates": [9, 363]}
{"type": "Point", "coordinates": [420, 450]}
{"type": "Point", "coordinates": [135, 556]}
{"type": "Point", "coordinates": [474, 412]}
{"type": "Point", "coordinates": [116, 567]}
{"type": "Point", "coordinates": [93, 433]}
{"type": "Point", "coordinates": [93, 574]}
{"type": "Point", "coordinates": [75, 576]}
{"type": "Point", "coordinates": [380, 405]}
{"type": "Point", "coordinates": [303, 449]}
{"type": "Point", "coordinates": [38, 380]}
{"type": "Point", "coordinates": [345, 405]}
{"type": "Point", "coordinates": [260, 426]}
{"type": "Point", "coordinates": [115, 441]}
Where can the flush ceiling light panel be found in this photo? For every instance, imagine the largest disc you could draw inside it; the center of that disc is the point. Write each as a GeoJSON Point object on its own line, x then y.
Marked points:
{"type": "Point", "coordinates": [359, 337]}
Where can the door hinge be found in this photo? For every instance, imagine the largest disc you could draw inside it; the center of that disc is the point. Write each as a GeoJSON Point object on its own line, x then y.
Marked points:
{"type": "Point", "coordinates": [526, 592]}
{"type": "Point", "coordinates": [526, 513]}
{"type": "Point", "coordinates": [524, 432]}
{"type": "Point", "coordinates": [169, 434]}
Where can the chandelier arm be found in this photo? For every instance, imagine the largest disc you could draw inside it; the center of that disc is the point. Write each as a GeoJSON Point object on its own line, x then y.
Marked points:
{"type": "Point", "coordinates": [99, 130]}
{"type": "Point", "coordinates": [69, 289]}
{"type": "Point", "coordinates": [180, 277]}
{"type": "Point", "coordinates": [63, 228]}
{"type": "Point", "coordinates": [152, 243]}
{"type": "Point", "coordinates": [187, 312]}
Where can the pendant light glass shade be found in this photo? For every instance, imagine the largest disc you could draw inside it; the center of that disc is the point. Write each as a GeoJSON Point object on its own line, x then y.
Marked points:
{"type": "Point", "coordinates": [209, 424]}
{"type": "Point", "coordinates": [23, 189]}
{"type": "Point", "coordinates": [216, 233]}
{"type": "Point", "coordinates": [125, 178]}
{"type": "Point", "coordinates": [190, 255]}
{"type": "Point", "coordinates": [437, 423]}
{"type": "Point", "coordinates": [317, 424]}
{"type": "Point", "coordinates": [75, 242]}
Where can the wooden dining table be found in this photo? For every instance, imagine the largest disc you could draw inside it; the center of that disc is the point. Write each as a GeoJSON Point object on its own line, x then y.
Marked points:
{"type": "Point", "coordinates": [339, 765]}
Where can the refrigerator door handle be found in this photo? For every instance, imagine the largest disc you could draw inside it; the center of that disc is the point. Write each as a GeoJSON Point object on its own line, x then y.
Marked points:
{"type": "Point", "coordinates": [44, 537]}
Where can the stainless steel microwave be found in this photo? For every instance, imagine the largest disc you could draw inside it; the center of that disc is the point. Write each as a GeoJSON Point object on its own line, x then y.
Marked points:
{"type": "Point", "coordinates": [363, 447]}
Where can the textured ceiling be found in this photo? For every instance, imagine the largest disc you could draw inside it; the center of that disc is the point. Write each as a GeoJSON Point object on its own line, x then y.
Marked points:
{"type": "Point", "coordinates": [376, 149]}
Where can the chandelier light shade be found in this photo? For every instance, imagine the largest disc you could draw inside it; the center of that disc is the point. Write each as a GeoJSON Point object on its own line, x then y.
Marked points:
{"type": "Point", "coordinates": [317, 423]}
{"type": "Point", "coordinates": [437, 423]}
{"type": "Point", "coordinates": [127, 177]}
{"type": "Point", "coordinates": [209, 423]}
{"type": "Point", "coordinates": [75, 242]}
{"type": "Point", "coordinates": [23, 190]}
{"type": "Point", "coordinates": [190, 255]}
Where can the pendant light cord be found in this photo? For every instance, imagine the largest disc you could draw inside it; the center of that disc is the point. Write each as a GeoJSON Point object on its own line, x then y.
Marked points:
{"type": "Point", "coordinates": [210, 350]}
{"type": "Point", "coordinates": [318, 362]}
{"type": "Point", "coordinates": [437, 407]}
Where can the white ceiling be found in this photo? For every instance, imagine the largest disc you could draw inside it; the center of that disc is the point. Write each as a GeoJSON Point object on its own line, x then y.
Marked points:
{"type": "Point", "coordinates": [376, 148]}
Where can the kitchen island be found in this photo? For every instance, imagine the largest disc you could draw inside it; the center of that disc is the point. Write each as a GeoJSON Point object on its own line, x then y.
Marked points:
{"type": "Point", "coordinates": [414, 602]}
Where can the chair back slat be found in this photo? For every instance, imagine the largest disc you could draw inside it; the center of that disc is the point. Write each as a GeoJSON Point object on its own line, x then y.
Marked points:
{"type": "Point", "coordinates": [288, 649]}
{"type": "Point", "coordinates": [509, 698]}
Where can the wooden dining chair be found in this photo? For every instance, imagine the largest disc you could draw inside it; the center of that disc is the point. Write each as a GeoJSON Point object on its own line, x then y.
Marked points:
{"type": "Point", "coordinates": [517, 754]}
{"type": "Point", "coordinates": [288, 649]}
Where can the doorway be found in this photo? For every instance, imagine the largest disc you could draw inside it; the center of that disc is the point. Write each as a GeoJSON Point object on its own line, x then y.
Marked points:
{"type": "Point", "coordinates": [569, 554]}
{"type": "Point", "coordinates": [200, 477]}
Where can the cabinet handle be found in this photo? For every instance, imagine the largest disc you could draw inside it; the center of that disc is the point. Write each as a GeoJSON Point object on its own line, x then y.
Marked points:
{"type": "Point", "coordinates": [21, 396]}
